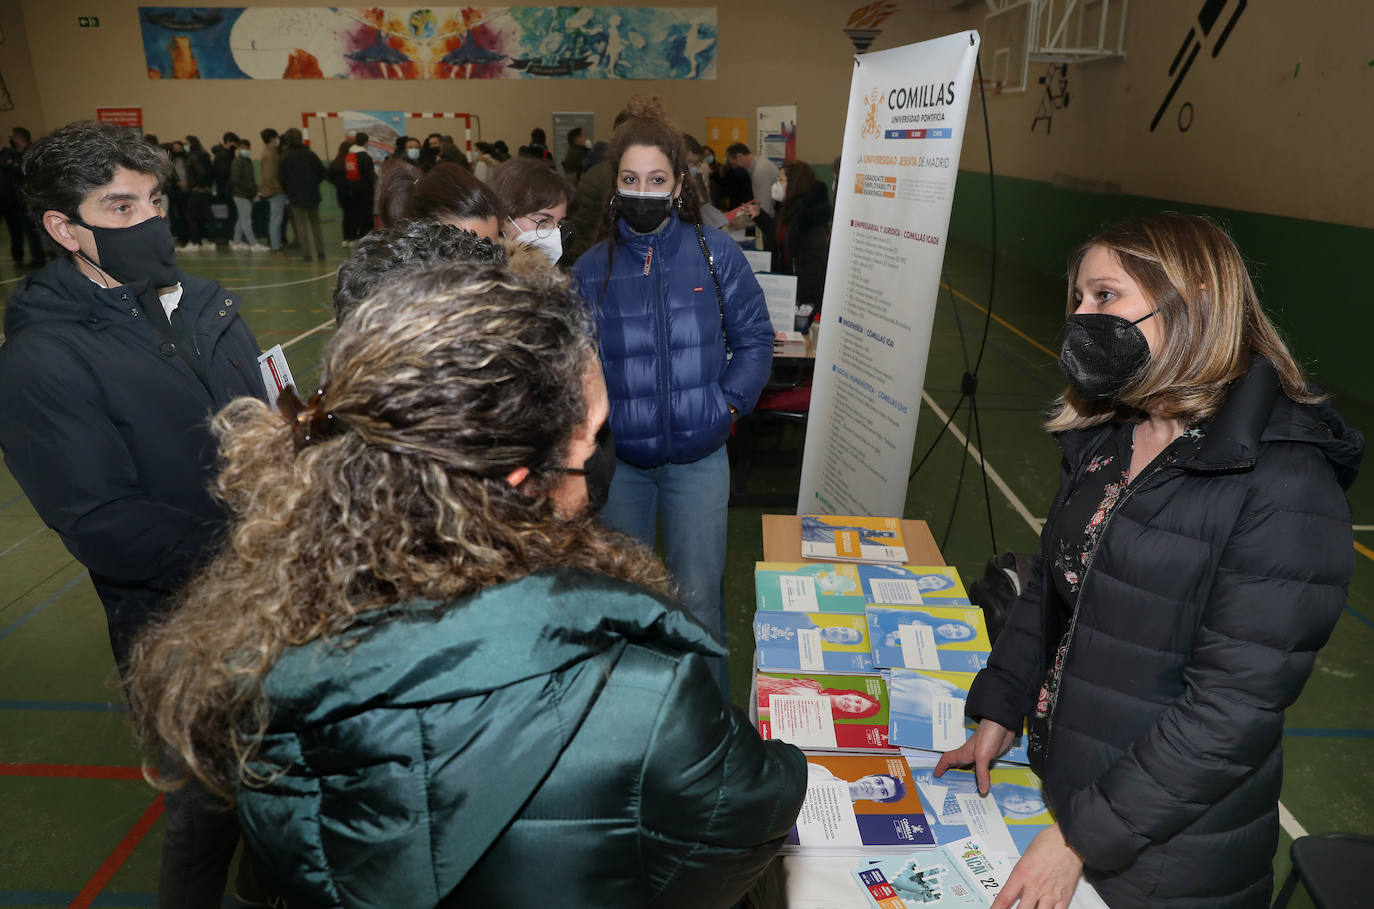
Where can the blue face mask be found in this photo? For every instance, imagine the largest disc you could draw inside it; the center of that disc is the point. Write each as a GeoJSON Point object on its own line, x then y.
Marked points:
{"type": "Point", "coordinates": [413, 154]}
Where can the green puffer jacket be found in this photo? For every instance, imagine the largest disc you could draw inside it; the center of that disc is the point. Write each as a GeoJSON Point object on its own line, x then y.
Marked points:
{"type": "Point", "coordinates": [557, 740]}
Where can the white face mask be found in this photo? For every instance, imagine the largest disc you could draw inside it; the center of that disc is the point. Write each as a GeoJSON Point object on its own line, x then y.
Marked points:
{"type": "Point", "coordinates": [551, 246]}
{"type": "Point", "coordinates": [777, 192]}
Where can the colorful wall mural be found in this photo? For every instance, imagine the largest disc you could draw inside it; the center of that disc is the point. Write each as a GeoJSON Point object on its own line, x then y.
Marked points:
{"type": "Point", "coordinates": [470, 42]}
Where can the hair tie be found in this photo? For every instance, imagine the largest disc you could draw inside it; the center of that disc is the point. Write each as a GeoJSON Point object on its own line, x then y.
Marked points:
{"type": "Point", "coordinates": [310, 420]}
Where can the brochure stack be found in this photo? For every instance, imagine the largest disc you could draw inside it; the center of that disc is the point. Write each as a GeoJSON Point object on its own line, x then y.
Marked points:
{"type": "Point", "coordinates": [865, 666]}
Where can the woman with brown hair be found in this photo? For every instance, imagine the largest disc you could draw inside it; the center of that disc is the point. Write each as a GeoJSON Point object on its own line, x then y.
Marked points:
{"type": "Point", "coordinates": [447, 193]}
{"type": "Point", "coordinates": [799, 234]}
{"type": "Point", "coordinates": [535, 199]}
{"type": "Point", "coordinates": [1196, 558]}
{"type": "Point", "coordinates": [687, 347]}
{"type": "Point", "coordinates": [420, 666]}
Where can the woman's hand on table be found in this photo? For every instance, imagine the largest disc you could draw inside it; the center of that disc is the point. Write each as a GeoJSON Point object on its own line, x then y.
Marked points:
{"type": "Point", "coordinates": [988, 742]}
{"type": "Point", "coordinates": [1045, 877]}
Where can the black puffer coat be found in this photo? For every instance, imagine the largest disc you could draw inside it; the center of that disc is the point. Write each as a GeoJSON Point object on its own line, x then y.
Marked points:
{"type": "Point", "coordinates": [800, 241]}
{"type": "Point", "coordinates": [1213, 586]}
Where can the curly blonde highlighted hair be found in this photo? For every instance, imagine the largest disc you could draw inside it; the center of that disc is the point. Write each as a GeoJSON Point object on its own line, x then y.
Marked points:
{"type": "Point", "coordinates": [1213, 324]}
{"type": "Point", "coordinates": [439, 386]}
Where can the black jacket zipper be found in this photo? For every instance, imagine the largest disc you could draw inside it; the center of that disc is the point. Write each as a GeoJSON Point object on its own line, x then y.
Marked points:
{"type": "Point", "coordinates": [1131, 489]}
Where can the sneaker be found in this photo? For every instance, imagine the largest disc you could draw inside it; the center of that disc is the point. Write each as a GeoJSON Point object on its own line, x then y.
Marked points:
{"type": "Point", "coordinates": [258, 248]}
{"type": "Point", "coordinates": [236, 246]}
{"type": "Point", "coordinates": [193, 248]}
{"type": "Point", "coordinates": [346, 244]}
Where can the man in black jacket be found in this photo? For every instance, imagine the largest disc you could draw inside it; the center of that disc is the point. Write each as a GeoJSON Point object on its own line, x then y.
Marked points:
{"type": "Point", "coordinates": [113, 363]}
{"type": "Point", "coordinates": [12, 200]}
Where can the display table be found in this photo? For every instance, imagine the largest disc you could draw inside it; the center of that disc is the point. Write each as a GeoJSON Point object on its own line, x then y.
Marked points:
{"type": "Point", "coordinates": [810, 881]}
{"type": "Point", "coordinates": [782, 541]}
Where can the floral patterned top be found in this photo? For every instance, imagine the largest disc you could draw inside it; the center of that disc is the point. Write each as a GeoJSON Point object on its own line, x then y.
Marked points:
{"type": "Point", "coordinates": [1078, 529]}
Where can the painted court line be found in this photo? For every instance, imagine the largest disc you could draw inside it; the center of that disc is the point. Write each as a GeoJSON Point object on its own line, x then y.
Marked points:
{"type": "Point", "coordinates": [1001, 321]}
{"type": "Point", "coordinates": [77, 706]}
{"type": "Point", "coordinates": [72, 771]}
{"type": "Point", "coordinates": [119, 856]}
{"type": "Point", "coordinates": [64, 898]}
{"type": "Point", "coordinates": [305, 334]}
{"type": "Point", "coordinates": [34, 535]}
{"type": "Point", "coordinates": [62, 591]}
{"type": "Point", "coordinates": [993, 475]}
{"type": "Point", "coordinates": [1290, 824]}
{"type": "Point", "coordinates": [1317, 733]}
{"type": "Point", "coordinates": [8, 502]}
{"type": "Point", "coordinates": [1357, 614]}
{"type": "Point", "coordinates": [328, 274]}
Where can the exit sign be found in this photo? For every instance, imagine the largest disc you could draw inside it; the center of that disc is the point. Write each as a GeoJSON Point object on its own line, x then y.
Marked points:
{"type": "Point", "coordinates": [88, 21]}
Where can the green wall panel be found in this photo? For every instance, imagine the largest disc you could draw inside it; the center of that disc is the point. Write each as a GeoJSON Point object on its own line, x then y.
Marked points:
{"type": "Point", "coordinates": [1310, 274]}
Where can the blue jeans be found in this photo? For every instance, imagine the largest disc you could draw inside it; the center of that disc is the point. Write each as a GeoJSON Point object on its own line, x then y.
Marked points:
{"type": "Point", "coordinates": [691, 499]}
{"type": "Point", "coordinates": [243, 227]}
{"type": "Point", "coordinates": [276, 209]}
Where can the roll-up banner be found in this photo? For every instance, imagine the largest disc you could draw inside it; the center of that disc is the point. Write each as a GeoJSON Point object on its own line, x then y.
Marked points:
{"type": "Point", "coordinates": [902, 137]}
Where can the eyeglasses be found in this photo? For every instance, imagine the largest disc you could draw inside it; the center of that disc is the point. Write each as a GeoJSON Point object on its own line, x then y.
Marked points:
{"type": "Point", "coordinates": [544, 226]}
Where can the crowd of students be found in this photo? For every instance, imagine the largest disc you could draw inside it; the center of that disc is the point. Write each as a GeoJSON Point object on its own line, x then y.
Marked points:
{"type": "Point", "coordinates": [411, 625]}
{"type": "Point", "coordinates": [741, 190]}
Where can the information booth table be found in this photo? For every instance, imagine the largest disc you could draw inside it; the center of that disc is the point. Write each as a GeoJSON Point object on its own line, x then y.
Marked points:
{"type": "Point", "coordinates": [809, 881]}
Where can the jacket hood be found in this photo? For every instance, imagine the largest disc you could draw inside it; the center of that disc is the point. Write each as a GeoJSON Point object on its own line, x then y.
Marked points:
{"type": "Point", "coordinates": [1256, 411]}
{"type": "Point", "coordinates": [511, 674]}
{"type": "Point", "coordinates": [56, 293]}
{"type": "Point", "coordinates": [422, 652]}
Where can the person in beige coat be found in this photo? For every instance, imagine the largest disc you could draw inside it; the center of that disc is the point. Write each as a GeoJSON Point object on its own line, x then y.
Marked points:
{"type": "Point", "coordinates": [270, 188]}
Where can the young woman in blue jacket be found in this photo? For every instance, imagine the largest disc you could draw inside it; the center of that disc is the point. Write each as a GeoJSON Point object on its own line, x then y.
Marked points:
{"type": "Point", "coordinates": [686, 346]}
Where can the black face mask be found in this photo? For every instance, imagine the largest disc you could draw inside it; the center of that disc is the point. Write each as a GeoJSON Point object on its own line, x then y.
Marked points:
{"type": "Point", "coordinates": [644, 213]}
{"type": "Point", "coordinates": [598, 469]}
{"type": "Point", "coordinates": [1101, 353]}
{"type": "Point", "coordinates": [144, 252]}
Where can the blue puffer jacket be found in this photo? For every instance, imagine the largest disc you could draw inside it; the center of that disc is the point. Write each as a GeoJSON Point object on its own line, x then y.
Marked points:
{"type": "Point", "coordinates": [666, 372]}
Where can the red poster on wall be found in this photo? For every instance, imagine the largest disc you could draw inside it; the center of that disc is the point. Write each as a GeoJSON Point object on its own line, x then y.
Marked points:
{"type": "Point", "coordinates": [131, 117]}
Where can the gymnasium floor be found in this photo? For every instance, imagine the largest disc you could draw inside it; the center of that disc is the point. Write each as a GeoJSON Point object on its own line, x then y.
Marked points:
{"type": "Point", "coordinates": [79, 828]}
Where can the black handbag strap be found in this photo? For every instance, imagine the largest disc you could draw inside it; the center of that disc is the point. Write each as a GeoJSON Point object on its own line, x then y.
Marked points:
{"type": "Point", "coordinates": [720, 298]}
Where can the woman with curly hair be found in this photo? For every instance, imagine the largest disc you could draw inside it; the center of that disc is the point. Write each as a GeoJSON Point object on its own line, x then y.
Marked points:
{"type": "Point", "coordinates": [686, 345]}
{"type": "Point", "coordinates": [419, 665]}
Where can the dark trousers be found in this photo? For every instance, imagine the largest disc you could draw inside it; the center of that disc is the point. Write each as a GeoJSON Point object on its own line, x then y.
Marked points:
{"type": "Point", "coordinates": [300, 217]}
{"type": "Point", "coordinates": [20, 226]}
{"type": "Point", "coordinates": [198, 841]}
{"type": "Point", "coordinates": [357, 212]}
{"type": "Point", "coordinates": [197, 215]}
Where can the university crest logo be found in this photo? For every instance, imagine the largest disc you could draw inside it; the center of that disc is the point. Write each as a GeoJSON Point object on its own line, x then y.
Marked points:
{"type": "Point", "coordinates": [870, 129]}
